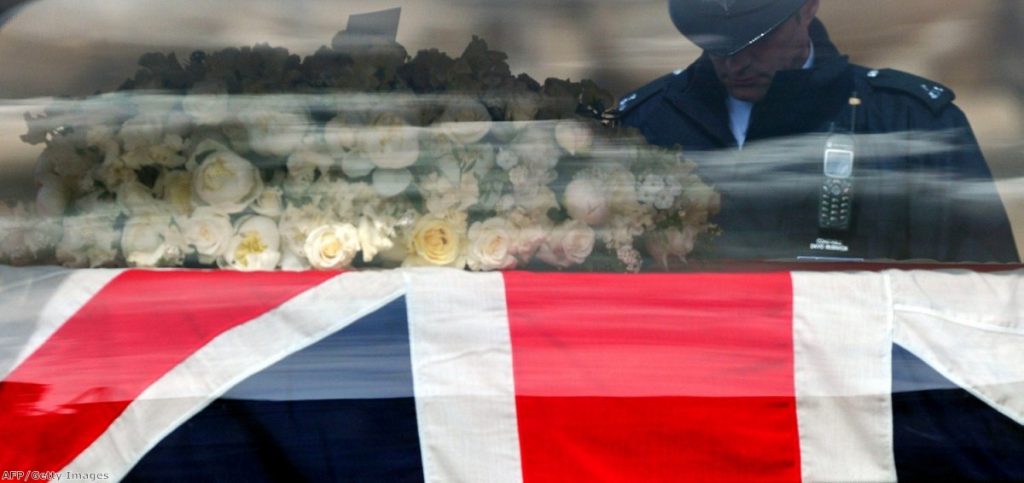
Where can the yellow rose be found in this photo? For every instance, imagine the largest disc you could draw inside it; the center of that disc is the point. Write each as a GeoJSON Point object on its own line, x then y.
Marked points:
{"type": "Point", "coordinates": [436, 241]}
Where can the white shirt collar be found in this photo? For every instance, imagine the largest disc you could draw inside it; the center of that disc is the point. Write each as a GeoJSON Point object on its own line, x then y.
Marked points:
{"type": "Point", "coordinates": [739, 111]}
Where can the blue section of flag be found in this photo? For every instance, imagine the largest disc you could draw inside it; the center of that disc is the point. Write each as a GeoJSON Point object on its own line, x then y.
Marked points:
{"type": "Point", "coordinates": [339, 410]}
{"type": "Point", "coordinates": [944, 433]}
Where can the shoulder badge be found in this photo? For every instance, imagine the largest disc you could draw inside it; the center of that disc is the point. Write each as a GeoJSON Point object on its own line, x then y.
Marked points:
{"type": "Point", "coordinates": [936, 96]}
{"type": "Point", "coordinates": [633, 99]}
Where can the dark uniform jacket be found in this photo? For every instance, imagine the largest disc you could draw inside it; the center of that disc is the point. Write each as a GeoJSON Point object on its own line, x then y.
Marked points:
{"type": "Point", "coordinates": [921, 188]}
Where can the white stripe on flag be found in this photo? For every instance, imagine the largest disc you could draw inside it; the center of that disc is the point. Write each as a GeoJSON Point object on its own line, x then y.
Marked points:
{"type": "Point", "coordinates": [970, 328]}
{"type": "Point", "coordinates": [462, 368]}
{"type": "Point", "coordinates": [231, 358]}
{"type": "Point", "coordinates": [77, 288]}
{"type": "Point", "coordinates": [842, 342]}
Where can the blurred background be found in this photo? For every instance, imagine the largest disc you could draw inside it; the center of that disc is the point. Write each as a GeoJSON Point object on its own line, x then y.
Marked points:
{"type": "Point", "coordinates": [78, 47]}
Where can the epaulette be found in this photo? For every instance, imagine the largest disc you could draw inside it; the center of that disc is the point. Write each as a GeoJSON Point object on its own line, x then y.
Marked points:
{"type": "Point", "coordinates": [633, 99]}
{"type": "Point", "coordinates": [936, 96]}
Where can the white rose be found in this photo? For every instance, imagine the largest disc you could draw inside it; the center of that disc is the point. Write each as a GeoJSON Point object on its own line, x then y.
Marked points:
{"type": "Point", "coordinates": [134, 197]}
{"type": "Point", "coordinates": [209, 232]}
{"type": "Point", "coordinates": [332, 246]}
{"type": "Point", "coordinates": [297, 223]}
{"type": "Point", "coordinates": [465, 121]}
{"type": "Point", "coordinates": [389, 143]}
{"type": "Point", "coordinates": [270, 202]}
{"type": "Point", "coordinates": [490, 245]}
{"type": "Point", "coordinates": [152, 240]}
{"type": "Point", "coordinates": [255, 246]}
{"type": "Point", "coordinates": [574, 137]}
{"type": "Point", "coordinates": [585, 201]}
{"type": "Point", "coordinates": [275, 132]}
{"type": "Point", "coordinates": [374, 237]}
{"type": "Point", "coordinates": [568, 244]}
{"type": "Point", "coordinates": [226, 181]}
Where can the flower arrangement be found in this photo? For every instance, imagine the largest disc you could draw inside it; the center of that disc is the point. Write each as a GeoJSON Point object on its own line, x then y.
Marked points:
{"type": "Point", "coordinates": [356, 156]}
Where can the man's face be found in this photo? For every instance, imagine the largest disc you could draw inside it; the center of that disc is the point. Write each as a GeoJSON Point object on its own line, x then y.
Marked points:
{"type": "Point", "coordinates": [748, 74]}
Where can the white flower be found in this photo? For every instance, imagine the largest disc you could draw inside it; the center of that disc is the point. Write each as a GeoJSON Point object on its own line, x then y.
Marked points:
{"type": "Point", "coordinates": [375, 236]}
{"type": "Point", "coordinates": [297, 223]}
{"type": "Point", "coordinates": [89, 241]}
{"type": "Point", "coordinates": [175, 188]}
{"type": "Point", "coordinates": [332, 246]}
{"type": "Point", "coordinates": [226, 182]}
{"type": "Point", "coordinates": [568, 244]}
{"type": "Point", "coordinates": [574, 136]}
{"type": "Point", "coordinates": [507, 159]}
{"type": "Point", "coordinates": [303, 165]}
{"type": "Point", "coordinates": [465, 121]}
{"type": "Point", "coordinates": [209, 232]}
{"type": "Point", "coordinates": [134, 197]}
{"type": "Point", "coordinates": [275, 132]}
{"type": "Point", "coordinates": [585, 201]}
{"type": "Point", "coordinates": [255, 246]}
{"type": "Point", "coordinates": [490, 245]}
{"type": "Point", "coordinates": [151, 240]}
{"type": "Point", "coordinates": [536, 147]}
{"type": "Point", "coordinates": [389, 143]}
{"type": "Point", "coordinates": [270, 202]}
{"type": "Point", "coordinates": [438, 241]}
{"type": "Point", "coordinates": [660, 191]}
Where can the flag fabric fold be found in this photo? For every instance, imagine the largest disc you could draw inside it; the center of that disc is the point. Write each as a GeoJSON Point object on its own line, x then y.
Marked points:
{"type": "Point", "coordinates": [440, 375]}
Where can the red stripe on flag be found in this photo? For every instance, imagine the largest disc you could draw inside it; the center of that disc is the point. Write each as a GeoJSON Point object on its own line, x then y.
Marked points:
{"type": "Point", "coordinates": [654, 377]}
{"type": "Point", "coordinates": [136, 329]}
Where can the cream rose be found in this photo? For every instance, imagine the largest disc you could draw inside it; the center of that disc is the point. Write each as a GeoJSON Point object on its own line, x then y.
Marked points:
{"type": "Point", "coordinates": [152, 240]}
{"type": "Point", "coordinates": [568, 244]}
{"type": "Point", "coordinates": [332, 246]}
{"type": "Point", "coordinates": [586, 201]}
{"type": "Point", "coordinates": [226, 182]}
{"type": "Point", "coordinates": [255, 246]}
{"type": "Point", "coordinates": [208, 232]}
{"type": "Point", "coordinates": [436, 241]}
{"type": "Point", "coordinates": [490, 245]}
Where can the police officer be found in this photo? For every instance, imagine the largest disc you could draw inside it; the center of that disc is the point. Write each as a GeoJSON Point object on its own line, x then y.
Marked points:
{"type": "Point", "coordinates": [815, 157]}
